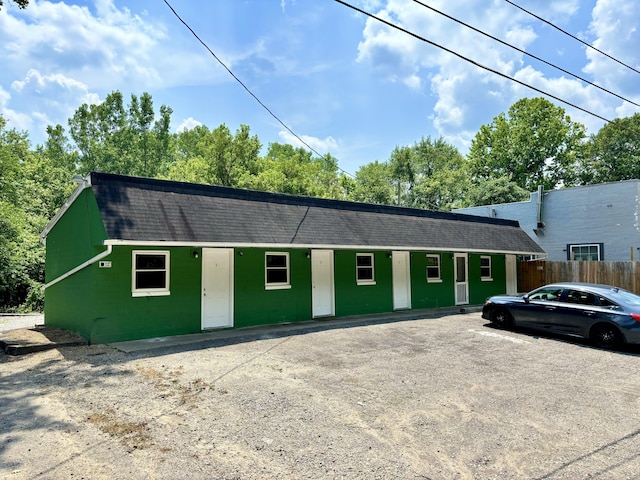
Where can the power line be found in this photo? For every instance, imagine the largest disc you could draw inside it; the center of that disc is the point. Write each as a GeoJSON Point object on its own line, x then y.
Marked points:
{"type": "Point", "coordinates": [525, 52]}
{"type": "Point", "coordinates": [573, 36]}
{"type": "Point", "coordinates": [248, 90]}
{"type": "Point", "coordinates": [473, 62]}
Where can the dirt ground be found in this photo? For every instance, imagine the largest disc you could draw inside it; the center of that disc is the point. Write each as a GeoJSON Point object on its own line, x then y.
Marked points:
{"type": "Point", "coordinates": [445, 398]}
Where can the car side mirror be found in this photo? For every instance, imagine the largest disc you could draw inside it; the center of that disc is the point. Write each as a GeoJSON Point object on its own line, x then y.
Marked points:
{"type": "Point", "coordinates": [525, 298]}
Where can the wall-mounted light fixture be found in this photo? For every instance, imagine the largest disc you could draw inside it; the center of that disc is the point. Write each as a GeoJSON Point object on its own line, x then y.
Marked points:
{"type": "Point", "coordinates": [308, 254]}
{"type": "Point", "coordinates": [195, 254]}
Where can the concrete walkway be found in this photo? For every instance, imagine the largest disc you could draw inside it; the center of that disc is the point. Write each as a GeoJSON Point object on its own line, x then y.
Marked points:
{"type": "Point", "coordinates": [13, 321]}
{"type": "Point", "coordinates": [17, 346]}
{"type": "Point", "coordinates": [218, 337]}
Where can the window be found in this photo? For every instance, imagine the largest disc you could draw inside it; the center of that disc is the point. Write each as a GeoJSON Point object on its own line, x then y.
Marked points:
{"type": "Point", "coordinates": [433, 268]}
{"type": "Point", "coordinates": [591, 251]}
{"type": "Point", "coordinates": [583, 298]}
{"type": "Point", "coordinates": [150, 273]}
{"type": "Point", "coordinates": [546, 294]}
{"type": "Point", "coordinates": [485, 268]}
{"type": "Point", "coordinates": [364, 269]}
{"type": "Point", "coordinates": [276, 270]}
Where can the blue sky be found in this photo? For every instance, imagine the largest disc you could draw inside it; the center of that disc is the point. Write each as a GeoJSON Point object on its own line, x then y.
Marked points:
{"type": "Point", "coordinates": [347, 84]}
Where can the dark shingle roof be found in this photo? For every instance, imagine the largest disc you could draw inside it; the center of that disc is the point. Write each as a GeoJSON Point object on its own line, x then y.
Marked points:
{"type": "Point", "coordinates": [141, 209]}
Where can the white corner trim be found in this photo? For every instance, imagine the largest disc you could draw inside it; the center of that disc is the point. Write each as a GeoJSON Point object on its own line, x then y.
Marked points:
{"type": "Point", "coordinates": [100, 256]}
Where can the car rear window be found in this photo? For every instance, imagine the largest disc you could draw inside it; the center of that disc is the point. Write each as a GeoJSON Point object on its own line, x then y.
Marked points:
{"type": "Point", "coordinates": [625, 297]}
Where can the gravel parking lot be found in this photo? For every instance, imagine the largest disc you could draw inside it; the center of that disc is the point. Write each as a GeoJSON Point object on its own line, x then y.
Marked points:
{"type": "Point", "coordinates": [444, 398]}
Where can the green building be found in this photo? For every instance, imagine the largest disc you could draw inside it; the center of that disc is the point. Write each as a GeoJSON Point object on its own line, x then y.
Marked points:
{"type": "Point", "coordinates": [131, 258]}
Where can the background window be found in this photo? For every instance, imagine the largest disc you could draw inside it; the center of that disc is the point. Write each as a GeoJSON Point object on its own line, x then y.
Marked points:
{"type": "Point", "coordinates": [585, 252]}
{"type": "Point", "coordinates": [150, 273]}
{"type": "Point", "coordinates": [433, 268]}
{"type": "Point", "coordinates": [485, 268]}
{"type": "Point", "coordinates": [277, 269]}
{"type": "Point", "coordinates": [364, 269]}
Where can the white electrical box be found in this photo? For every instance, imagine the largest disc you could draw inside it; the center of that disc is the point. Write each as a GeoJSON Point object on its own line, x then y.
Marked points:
{"type": "Point", "coordinates": [105, 264]}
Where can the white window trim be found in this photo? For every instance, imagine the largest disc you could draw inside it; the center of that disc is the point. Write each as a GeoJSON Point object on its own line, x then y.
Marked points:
{"type": "Point", "coordinates": [150, 292]}
{"type": "Point", "coordinates": [281, 285]}
{"type": "Point", "coordinates": [434, 280]}
{"type": "Point", "coordinates": [490, 277]}
{"type": "Point", "coordinates": [579, 245]}
{"type": "Point", "coordinates": [373, 269]}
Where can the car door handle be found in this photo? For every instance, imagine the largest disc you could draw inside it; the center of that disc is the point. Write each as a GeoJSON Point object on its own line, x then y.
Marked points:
{"type": "Point", "coordinates": [549, 308]}
{"type": "Point", "coordinates": [590, 313]}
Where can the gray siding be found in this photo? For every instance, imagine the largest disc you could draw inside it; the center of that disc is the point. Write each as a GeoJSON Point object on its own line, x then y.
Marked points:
{"type": "Point", "coordinates": [605, 214]}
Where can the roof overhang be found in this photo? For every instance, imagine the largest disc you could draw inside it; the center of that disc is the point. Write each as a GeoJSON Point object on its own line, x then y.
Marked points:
{"type": "Point", "coordinates": [160, 244]}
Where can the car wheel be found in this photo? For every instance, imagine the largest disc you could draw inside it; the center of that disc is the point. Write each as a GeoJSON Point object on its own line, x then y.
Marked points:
{"type": "Point", "coordinates": [606, 336]}
{"type": "Point", "coordinates": [501, 318]}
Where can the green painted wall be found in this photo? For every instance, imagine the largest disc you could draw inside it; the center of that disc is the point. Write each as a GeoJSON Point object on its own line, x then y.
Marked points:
{"type": "Point", "coordinates": [479, 290]}
{"type": "Point", "coordinates": [254, 305]}
{"type": "Point", "coordinates": [77, 237]}
{"type": "Point", "coordinates": [97, 302]}
{"type": "Point", "coordinates": [354, 299]}
{"type": "Point", "coordinates": [431, 294]}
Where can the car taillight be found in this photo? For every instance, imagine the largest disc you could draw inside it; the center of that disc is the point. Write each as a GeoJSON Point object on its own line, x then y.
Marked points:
{"type": "Point", "coordinates": [635, 316]}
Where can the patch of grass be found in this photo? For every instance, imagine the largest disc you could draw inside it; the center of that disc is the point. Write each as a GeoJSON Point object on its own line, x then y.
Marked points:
{"type": "Point", "coordinates": [131, 434]}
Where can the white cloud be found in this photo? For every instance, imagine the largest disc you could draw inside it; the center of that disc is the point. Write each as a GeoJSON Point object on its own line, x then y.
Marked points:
{"type": "Point", "coordinates": [464, 93]}
{"type": "Point", "coordinates": [108, 48]}
{"type": "Point", "coordinates": [616, 27]}
{"type": "Point", "coordinates": [188, 124]}
{"type": "Point", "coordinates": [322, 146]}
{"type": "Point", "coordinates": [14, 119]}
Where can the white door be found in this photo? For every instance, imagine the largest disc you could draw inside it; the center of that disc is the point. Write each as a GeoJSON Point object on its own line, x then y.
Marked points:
{"type": "Point", "coordinates": [217, 287]}
{"type": "Point", "coordinates": [401, 280]}
{"type": "Point", "coordinates": [322, 289]}
{"type": "Point", "coordinates": [511, 267]}
{"type": "Point", "coordinates": [461, 275]}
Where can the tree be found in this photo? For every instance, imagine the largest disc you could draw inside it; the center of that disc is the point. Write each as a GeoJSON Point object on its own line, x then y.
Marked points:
{"type": "Point", "coordinates": [536, 143]}
{"type": "Point", "coordinates": [430, 174]}
{"type": "Point", "coordinates": [115, 139]}
{"type": "Point", "coordinates": [21, 257]}
{"type": "Point", "coordinates": [373, 184]}
{"type": "Point", "coordinates": [494, 191]}
{"type": "Point", "coordinates": [216, 156]}
{"type": "Point", "coordinates": [440, 175]}
{"type": "Point", "coordinates": [292, 170]}
{"type": "Point", "coordinates": [613, 154]}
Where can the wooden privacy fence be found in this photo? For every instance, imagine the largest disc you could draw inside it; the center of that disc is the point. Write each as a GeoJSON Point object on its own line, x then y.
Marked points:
{"type": "Point", "coordinates": [540, 272]}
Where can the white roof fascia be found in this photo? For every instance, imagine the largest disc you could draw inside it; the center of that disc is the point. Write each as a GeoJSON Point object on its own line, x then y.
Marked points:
{"type": "Point", "coordinates": [86, 183]}
{"type": "Point", "coordinates": [140, 243]}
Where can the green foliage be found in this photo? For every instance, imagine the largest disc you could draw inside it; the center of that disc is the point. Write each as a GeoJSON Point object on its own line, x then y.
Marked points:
{"type": "Point", "coordinates": [373, 184]}
{"type": "Point", "coordinates": [21, 255]}
{"type": "Point", "coordinates": [430, 174]}
{"type": "Point", "coordinates": [614, 152]}
{"type": "Point", "coordinates": [534, 144]}
{"type": "Point", "coordinates": [494, 191]}
{"type": "Point", "coordinates": [115, 139]}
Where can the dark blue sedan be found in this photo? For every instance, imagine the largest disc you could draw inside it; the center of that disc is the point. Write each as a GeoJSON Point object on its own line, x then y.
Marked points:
{"type": "Point", "coordinates": [608, 316]}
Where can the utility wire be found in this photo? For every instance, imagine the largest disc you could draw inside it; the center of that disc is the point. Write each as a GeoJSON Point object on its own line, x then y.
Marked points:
{"type": "Point", "coordinates": [573, 36]}
{"type": "Point", "coordinates": [473, 62]}
{"type": "Point", "coordinates": [525, 52]}
{"type": "Point", "coordinates": [248, 90]}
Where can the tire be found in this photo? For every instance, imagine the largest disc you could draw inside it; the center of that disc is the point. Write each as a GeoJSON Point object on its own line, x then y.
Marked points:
{"type": "Point", "coordinates": [606, 336]}
{"type": "Point", "coordinates": [501, 318]}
